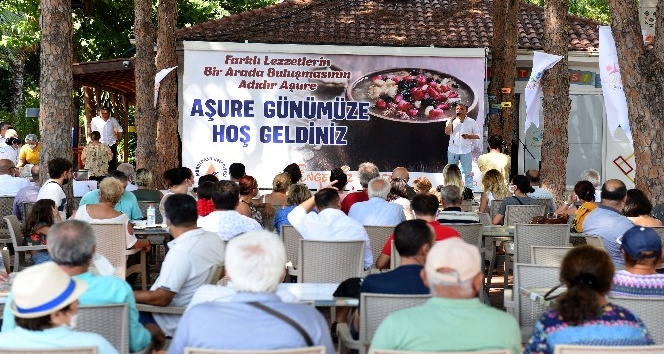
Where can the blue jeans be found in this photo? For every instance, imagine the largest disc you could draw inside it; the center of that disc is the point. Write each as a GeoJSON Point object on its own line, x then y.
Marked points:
{"type": "Point", "coordinates": [466, 161]}
{"type": "Point", "coordinates": [41, 257]}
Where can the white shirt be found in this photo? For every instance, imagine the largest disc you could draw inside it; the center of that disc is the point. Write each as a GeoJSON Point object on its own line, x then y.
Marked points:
{"type": "Point", "coordinates": [459, 145]}
{"type": "Point", "coordinates": [9, 185]}
{"type": "Point", "coordinates": [131, 187]}
{"type": "Point", "coordinates": [186, 268]}
{"type": "Point", "coordinates": [53, 191]}
{"type": "Point", "coordinates": [105, 128]}
{"type": "Point", "coordinates": [82, 187]}
{"type": "Point", "coordinates": [377, 212]}
{"type": "Point", "coordinates": [82, 214]}
{"type": "Point", "coordinates": [331, 225]}
{"type": "Point", "coordinates": [228, 223]}
{"type": "Point", "coordinates": [405, 204]}
{"type": "Point", "coordinates": [8, 152]}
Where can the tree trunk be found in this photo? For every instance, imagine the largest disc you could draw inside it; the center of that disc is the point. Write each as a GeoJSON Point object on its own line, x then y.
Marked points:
{"type": "Point", "coordinates": [556, 105]}
{"type": "Point", "coordinates": [644, 89]}
{"type": "Point", "coordinates": [18, 98]}
{"type": "Point", "coordinates": [90, 109]}
{"type": "Point", "coordinates": [146, 120]}
{"type": "Point", "coordinates": [503, 67]}
{"type": "Point", "coordinates": [56, 84]}
{"type": "Point", "coordinates": [168, 142]}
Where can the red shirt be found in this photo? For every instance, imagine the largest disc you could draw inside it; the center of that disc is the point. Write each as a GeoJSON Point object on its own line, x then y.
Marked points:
{"type": "Point", "coordinates": [352, 198]}
{"type": "Point", "coordinates": [442, 232]}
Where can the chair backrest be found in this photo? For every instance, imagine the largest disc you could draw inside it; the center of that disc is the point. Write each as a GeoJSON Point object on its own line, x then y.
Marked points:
{"type": "Point", "coordinates": [485, 219]}
{"type": "Point", "coordinates": [5, 209]}
{"type": "Point", "coordinates": [374, 308]}
{"type": "Point", "coordinates": [467, 205]}
{"type": "Point", "coordinates": [305, 350]}
{"type": "Point", "coordinates": [522, 214]}
{"type": "Point", "coordinates": [76, 350]}
{"type": "Point", "coordinates": [548, 255]}
{"type": "Point", "coordinates": [387, 351]}
{"type": "Point", "coordinates": [649, 310]}
{"type": "Point", "coordinates": [471, 233]}
{"type": "Point", "coordinates": [526, 235]}
{"type": "Point", "coordinates": [5, 260]}
{"type": "Point", "coordinates": [395, 258]}
{"type": "Point", "coordinates": [528, 311]}
{"type": "Point", "coordinates": [143, 206]}
{"type": "Point", "coordinates": [14, 230]}
{"type": "Point", "coordinates": [595, 241]}
{"type": "Point", "coordinates": [27, 209]}
{"type": "Point", "coordinates": [112, 243]}
{"type": "Point", "coordinates": [544, 201]}
{"type": "Point", "coordinates": [111, 321]}
{"type": "Point", "coordinates": [378, 236]}
{"type": "Point", "coordinates": [330, 261]}
{"type": "Point", "coordinates": [589, 349]}
{"type": "Point", "coordinates": [495, 205]}
{"type": "Point", "coordinates": [216, 272]}
{"type": "Point", "coordinates": [291, 238]}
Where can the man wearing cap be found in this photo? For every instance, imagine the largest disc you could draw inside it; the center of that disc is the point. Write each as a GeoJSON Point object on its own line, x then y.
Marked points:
{"type": "Point", "coordinates": [45, 304]}
{"type": "Point", "coordinates": [454, 319]}
{"type": "Point", "coordinates": [71, 245]}
{"type": "Point", "coordinates": [642, 249]}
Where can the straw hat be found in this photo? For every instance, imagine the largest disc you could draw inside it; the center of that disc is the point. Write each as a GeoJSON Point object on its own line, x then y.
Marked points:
{"type": "Point", "coordinates": [44, 289]}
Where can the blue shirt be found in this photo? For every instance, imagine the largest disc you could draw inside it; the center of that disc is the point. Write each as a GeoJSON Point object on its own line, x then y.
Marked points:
{"type": "Point", "coordinates": [27, 194]}
{"type": "Point", "coordinates": [610, 225]}
{"type": "Point", "coordinates": [56, 337]}
{"type": "Point", "coordinates": [240, 326]}
{"type": "Point", "coordinates": [404, 279]}
{"type": "Point", "coordinates": [128, 204]}
{"type": "Point", "coordinates": [377, 212]}
{"type": "Point", "coordinates": [281, 217]}
{"type": "Point", "coordinates": [101, 290]}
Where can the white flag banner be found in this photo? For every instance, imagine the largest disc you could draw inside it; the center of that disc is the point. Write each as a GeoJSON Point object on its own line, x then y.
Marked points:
{"type": "Point", "coordinates": [615, 102]}
{"type": "Point", "coordinates": [157, 82]}
{"type": "Point", "coordinates": [541, 62]}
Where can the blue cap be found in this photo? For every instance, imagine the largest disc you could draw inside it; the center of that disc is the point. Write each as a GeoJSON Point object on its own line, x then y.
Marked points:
{"type": "Point", "coordinates": [641, 239]}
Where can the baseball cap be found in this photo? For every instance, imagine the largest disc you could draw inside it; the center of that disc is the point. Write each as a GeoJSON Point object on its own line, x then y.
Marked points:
{"type": "Point", "coordinates": [454, 254]}
{"type": "Point", "coordinates": [641, 239]}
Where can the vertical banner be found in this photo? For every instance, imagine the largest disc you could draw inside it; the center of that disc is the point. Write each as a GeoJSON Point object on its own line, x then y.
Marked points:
{"type": "Point", "coordinates": [612, 88]}
{"type": "Point", "coordinates": [323, 107]}
{"type": "Point", "coordinates": [541, 62]}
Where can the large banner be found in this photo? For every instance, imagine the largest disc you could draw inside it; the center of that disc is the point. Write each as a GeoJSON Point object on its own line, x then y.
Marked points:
{"type": "Point", "coordinates": [612, 88]}
{"type": "Point", "coordinates": [322, 107]}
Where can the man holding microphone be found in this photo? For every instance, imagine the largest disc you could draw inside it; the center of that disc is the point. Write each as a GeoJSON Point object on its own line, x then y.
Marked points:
{"type": "Point", "coordinates": [462, 131]}
{"type": "Point", "coordinates": [111, 133]}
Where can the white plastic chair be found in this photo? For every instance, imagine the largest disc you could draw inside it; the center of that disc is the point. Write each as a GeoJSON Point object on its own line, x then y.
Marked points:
{"type": "Point", "coordinates": [587, 349]}
{"type": "Point", "coordinates": [649, 310]}
{"type": "Point", "coordinates": [16, 237]}
{"type": "Point", "coordinates": [112, 243]}
{"type": "Point", "coordinates": [547, 255]}
{"type": "Point", "coordinates": [329, 261]}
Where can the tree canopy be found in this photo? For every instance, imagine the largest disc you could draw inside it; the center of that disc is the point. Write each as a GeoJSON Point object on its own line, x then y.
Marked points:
{"type": "Point", "coordinates": [597, 10]}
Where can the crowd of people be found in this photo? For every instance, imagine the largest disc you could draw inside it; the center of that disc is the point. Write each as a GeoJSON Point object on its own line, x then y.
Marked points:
{"type": "Point", "coordinates": [226, 222]}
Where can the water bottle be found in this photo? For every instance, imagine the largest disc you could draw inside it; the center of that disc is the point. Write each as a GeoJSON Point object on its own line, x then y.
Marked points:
{"type": "Point", "coordinates": [151, 215]}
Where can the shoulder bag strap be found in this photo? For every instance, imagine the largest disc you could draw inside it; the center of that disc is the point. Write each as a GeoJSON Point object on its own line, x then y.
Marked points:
{"type": "Point", "coordinates": [286, 319]}
{"type": "Point", "coordinates": [517, 199]}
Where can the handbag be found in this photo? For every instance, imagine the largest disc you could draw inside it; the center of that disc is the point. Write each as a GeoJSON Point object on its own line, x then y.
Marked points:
{"type": "Point", "coordinates": [559, 219]}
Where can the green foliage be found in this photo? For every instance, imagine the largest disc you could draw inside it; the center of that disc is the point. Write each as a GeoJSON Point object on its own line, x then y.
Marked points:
{"type": "Point", "coordinates": [597, 10]}
{"type": "Point", "coordinates": [19, 29]}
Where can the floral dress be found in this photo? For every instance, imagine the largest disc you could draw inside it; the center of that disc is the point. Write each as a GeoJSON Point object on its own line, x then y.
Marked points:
{"type": "Point", "coordinates": [37, 239]}
{"type": "Point", "coordinates": [96, 159]}
{"type": "Point", "coordinates": [255, 214]}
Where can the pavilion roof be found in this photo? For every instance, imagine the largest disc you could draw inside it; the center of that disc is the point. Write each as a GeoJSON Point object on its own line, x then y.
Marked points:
{"type": "Point", "coordinates": [109, 75]}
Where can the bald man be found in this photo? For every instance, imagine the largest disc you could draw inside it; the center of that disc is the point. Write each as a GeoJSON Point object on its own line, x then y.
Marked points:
{"type": "Point", "coordinates": [9, 183]}
{"type": "Point", "coordinates": [402, 173]}
{"type": "Point", "coordinates": [606, 220]}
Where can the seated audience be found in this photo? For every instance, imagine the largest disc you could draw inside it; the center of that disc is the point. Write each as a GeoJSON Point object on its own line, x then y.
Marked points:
{"type": "Point", "coordinates": [255, 261]}
{"type": "Point", "coordinates": [204, 193]}
{"type": "Point", "coordinates": [10, 184]}
{"type": "Point", "coordinates": [584, 192]}
{"type": "Point", "coordinates": [225, 221]}
{"type": "Point", "coordinates": [127, 204]}
{"type": "Point", "coordinates": [521, 186]}
{"type": "Point", "coordinates": [582, 315]}
{"type": "Point", "coordinates": [29, 153]}
{"type": "Point", "coordinates": [452, 214]}
{"type": "Point", "coordinates": [423, 185]}
{"type": "Point", "coordinates": [452, 176]}
{"type": "Point", "coordinates": [402, 173]}
{"type": "Point", "coordinates": [593, 177]}
{"type": "Point", "coordinates": [330, 224]}
{"type": "Point", "coordinates": [495, 188]}
{"type": "Point", "coordinates": [45, 303]}
{"type": "Point", "coordinates": [59, 171]}
{"type": "Point", "coordinates": [365, 173]}
{"type": "Point", "coordinates": [607, 222]}
{"type": "Point", "coordinates": [340, 176]}
{"type": "Point", "coordinates": [145, 191]}
{"type": "Point", "coordinates": [638, 209]}
{"type": "Point", "coordinates": [129, 172]}
{"type": "Point", "coordinates": [539, 192]}
{"type": "Point", "coordinates": [247, 207]}
{"type": "Point", "coordinates": [180, 181]}
{"type": "Point", "coordinates": [72, 246]}
{"type": "Point", "coordinates": [495, 159]}
{"type": "Point", "coordinates": [236, 171]}
{"type": "Point", "coordinates": [294, 172]}
{"type": "Point", "coordinates": [642, 249]}
{"type": "Point", "coordinates": [27, 194]}
{"type": "Point", "coordinates": [190, 257]}
{"type": "Point", "coordinates": [280, 185]}
{"type": "Point", "coordinates": [297, 193]}
{"type": "Point", "coordinates": [454, 319]}
{"type": "Point", "coordinates": [377, 211]}
{"type": "Point", "coordinates": [399, 195]}
{"type": "Point", "coordinates": [425, 207]}
{"type": "Point", "coordinates": [36, 226]}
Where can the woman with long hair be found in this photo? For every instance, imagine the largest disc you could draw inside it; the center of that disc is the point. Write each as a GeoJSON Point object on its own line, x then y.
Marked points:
{"type": "Point", "coordinates": [494, 189]}
{"type": "Point", "coordinates": [452, 176]}
{"type": "Point", "coordinates": [584, 193]}
{"type": "Point", "coordinates": [399, 195]}
{"type": "Point", "coordinates": [37, 224]}
{"type": "Point", "coordinates": [638, 209]}
{"type": "Point", "coordinates": [582, 315]}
